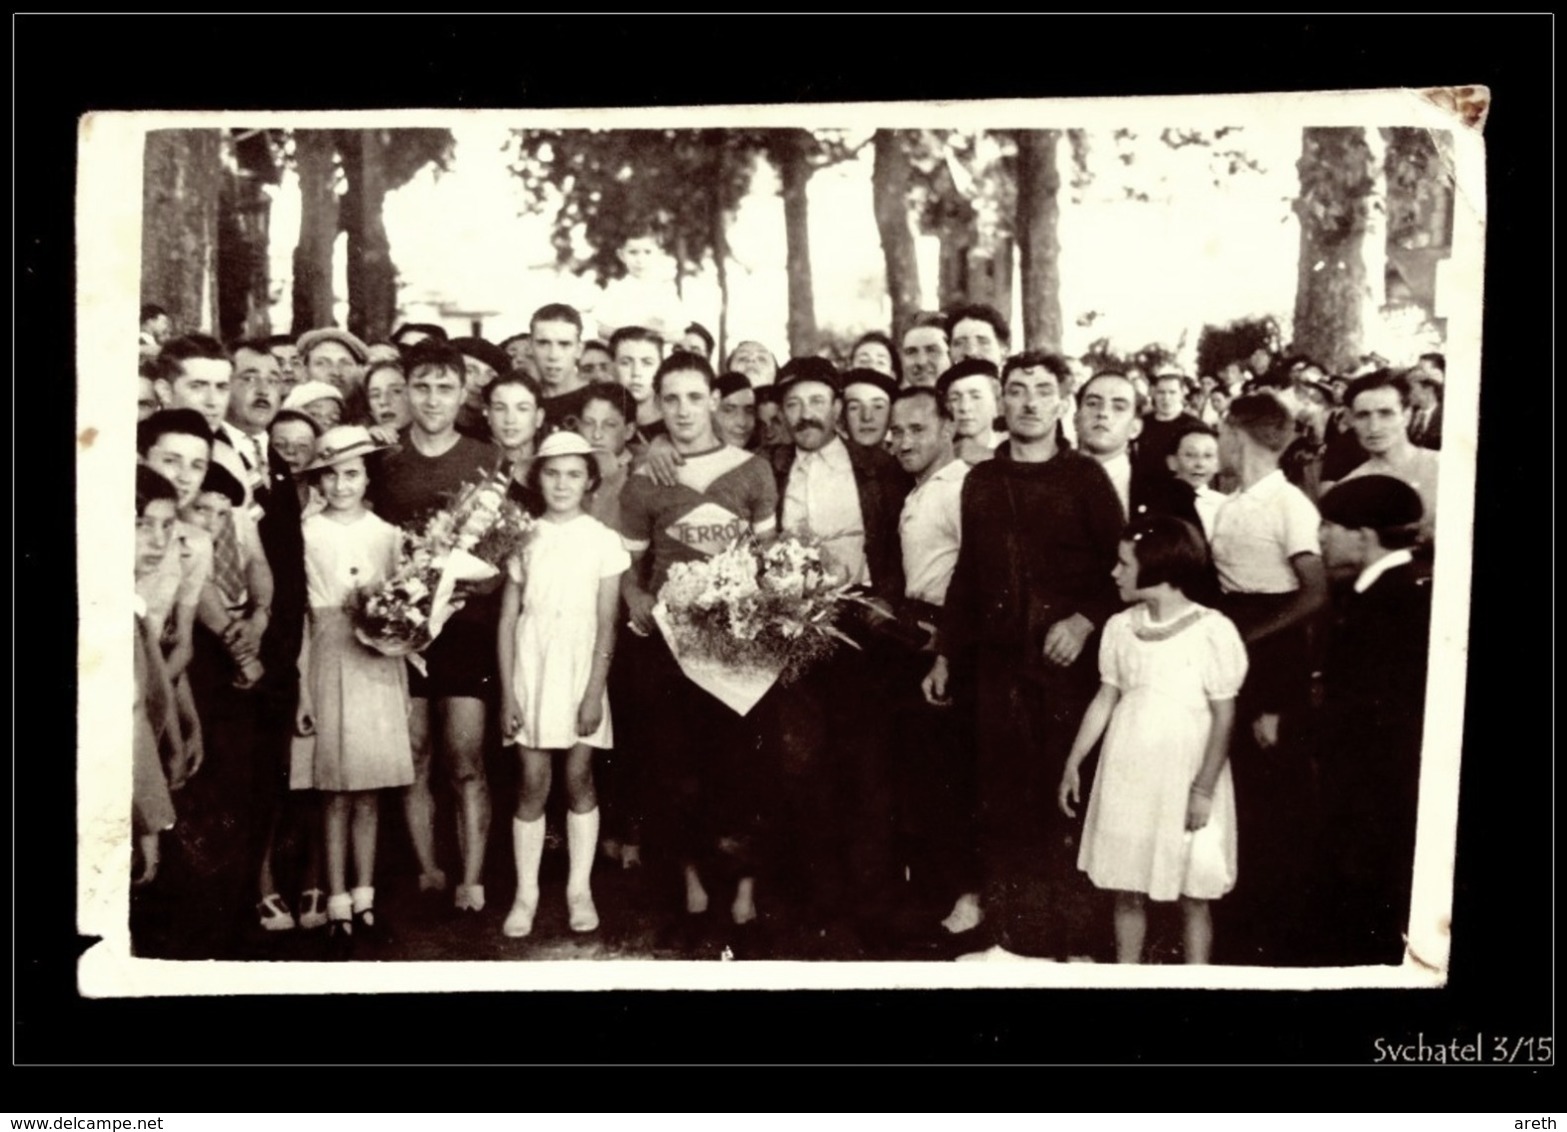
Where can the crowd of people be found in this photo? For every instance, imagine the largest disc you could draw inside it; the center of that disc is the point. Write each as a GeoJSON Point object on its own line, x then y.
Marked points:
{"type": "Point", "coordinates": [1128, 640]}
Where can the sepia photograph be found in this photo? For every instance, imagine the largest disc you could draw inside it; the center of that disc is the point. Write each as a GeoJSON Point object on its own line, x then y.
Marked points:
{"type": "Point", "coordinates": [1120, 650]}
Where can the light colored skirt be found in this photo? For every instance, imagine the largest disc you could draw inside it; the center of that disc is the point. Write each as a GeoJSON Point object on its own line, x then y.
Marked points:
{"type": "Point", "coordinates": [360, 700]}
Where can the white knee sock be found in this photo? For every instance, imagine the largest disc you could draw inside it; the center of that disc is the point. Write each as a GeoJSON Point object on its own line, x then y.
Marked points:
{"type": "Point", "coordinates": [527, 842]}
{"type": "Point", "coordinates": [582, 840]}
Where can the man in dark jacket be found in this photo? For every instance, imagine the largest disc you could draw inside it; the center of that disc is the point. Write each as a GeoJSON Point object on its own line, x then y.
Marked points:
{"type": "Point", "coordinates": [859, 528]}
{"type": "Point", "coordinates": [1108, 420]}
{"type": "Point", "coordinates": [1373, 709]}
{"type": "Point", "coordinates": [282, 539]}
{"type": "Point", "coordinates": [1029, 594]}
{"type": "Point", "coordinates": [830, 733]}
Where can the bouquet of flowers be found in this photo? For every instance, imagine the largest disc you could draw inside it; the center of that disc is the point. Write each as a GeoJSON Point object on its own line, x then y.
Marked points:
{"type": "Point", "coordinates": [466, 542]}
{"type": "Point", "coordinates": [760, 611]}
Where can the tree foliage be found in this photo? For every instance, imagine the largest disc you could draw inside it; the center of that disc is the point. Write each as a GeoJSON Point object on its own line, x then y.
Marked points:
{"type": "Point", "coordinates": [680, 186]}
{"type": "Point", "coordinates": [1154, 358]}
{"type": "Point", "coordinates": [1419, 166]}
{"type": "Point", "coordinates": [1217, 155]}
{"type": "Point", "coordinates": [1218, 346]}
{"type": "Point", "coordinates": [607, 186]}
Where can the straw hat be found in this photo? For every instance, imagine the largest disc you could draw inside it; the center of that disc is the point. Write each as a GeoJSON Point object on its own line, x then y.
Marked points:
{"type": "Point", "coordinates": [310, 339]}
{"type": "Point", "coordinates": [563, 443]}
{"type": "Point", "coordinates": [307, 391]}
{"type": "Point", "coordinates": [342, 442]}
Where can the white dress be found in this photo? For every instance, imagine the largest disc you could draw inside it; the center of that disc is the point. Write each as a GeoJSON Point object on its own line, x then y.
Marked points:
{"type": "Point", "coordinates": [1134, 832]}
{"type": "Point", "coordinates": [360, 697]}
{"type": "Point", "coordinates": [560, 575]}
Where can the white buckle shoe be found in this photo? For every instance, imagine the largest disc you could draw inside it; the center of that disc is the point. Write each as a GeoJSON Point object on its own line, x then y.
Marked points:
{"type": "Point", "coordinates": [275, 916]}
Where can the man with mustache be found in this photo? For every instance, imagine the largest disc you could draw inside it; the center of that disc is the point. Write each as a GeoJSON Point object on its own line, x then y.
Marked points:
{"type": "Point", "coordinates": [832, 742]}
{"type": "Point", "coordinates": [1041, 532]}
{"type": "Point", "coordinates": [255, 396]}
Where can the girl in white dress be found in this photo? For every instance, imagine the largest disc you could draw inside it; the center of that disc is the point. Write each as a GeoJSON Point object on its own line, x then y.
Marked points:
{"type": "Point", "coordinates": [557, 634]}
{"type": "Point", "coordinates": [1161, 819]}
{"type": "Point", "coordinates": [352, 699]}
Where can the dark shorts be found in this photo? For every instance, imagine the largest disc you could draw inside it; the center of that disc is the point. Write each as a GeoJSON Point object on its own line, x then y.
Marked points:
{"type": "Point", "coordinates": [462, 661]}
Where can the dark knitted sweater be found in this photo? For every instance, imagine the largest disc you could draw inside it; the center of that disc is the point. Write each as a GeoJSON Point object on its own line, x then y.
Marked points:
{"type": "Point", "coordinates": [1064, 520]}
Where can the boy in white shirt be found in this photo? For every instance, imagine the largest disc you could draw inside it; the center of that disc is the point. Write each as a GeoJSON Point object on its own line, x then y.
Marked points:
{"type": "Point", "coordinates": [640, 298]}
{"type": "Point", "coordinates": [1268, 555]}
{"type": "Point", "coordinates": [1195, 462]}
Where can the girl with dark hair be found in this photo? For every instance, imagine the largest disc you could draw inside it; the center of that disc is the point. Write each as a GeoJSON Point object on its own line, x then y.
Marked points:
{"type": "Point", "coordinates": [1161, 819]}
{"type": "Point", "coordinates": [353, 701]}
{"type": "Point", "coordinates": [874, 350]}
{"type": "Point", "coordinates": [557, 634]}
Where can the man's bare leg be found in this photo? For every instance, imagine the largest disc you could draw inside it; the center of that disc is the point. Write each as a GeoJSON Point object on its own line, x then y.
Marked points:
{"type": "Point", "coordinates": [463, 736]}
{"type": "Point", "coordinates": [418, 802]}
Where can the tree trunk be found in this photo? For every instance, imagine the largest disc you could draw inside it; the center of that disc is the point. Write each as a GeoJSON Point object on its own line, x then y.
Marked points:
{"type": "Point", "coordinates": [989, 275]}
{"type": "Point", "coordinates": [680, 276]}
{"type": "Point", "coordinates": [890, 192]}
{"type": "Point", "coordinates": [244, 285]}
{"type": "Point", "coordinates": [794, 170]}
{"type": "Point", "coordinates": [1038, 217]}
{"type": "Point", "coordinates": [1001, 275]}
{"type": "Point", "coordinates": [181, 177]}
{"type": "Point", "coordinates": [1341, 252]}
{"type": "Point", "coordinates": [952, 275]}
{"type": "Point", "coordinates": [312, 289]}
{"type": "Point", "coordinates": [720, 220]}
{"type": "Point", "coordinates": [372, 279]}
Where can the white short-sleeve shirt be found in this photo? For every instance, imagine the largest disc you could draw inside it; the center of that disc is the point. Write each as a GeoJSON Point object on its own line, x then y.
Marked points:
{"type": "Point", "coordinates": [931, 530]}
{"type": "Point", "coordinates": [1257, 531]}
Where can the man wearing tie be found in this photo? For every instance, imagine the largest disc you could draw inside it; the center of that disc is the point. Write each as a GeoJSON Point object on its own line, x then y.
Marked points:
{"type": "Point", "coordinates": [1425, 395]}
{"type": "Point", "coordinates": [1108, 420]}
{"type": "Point", "coordinates": [255, 395]}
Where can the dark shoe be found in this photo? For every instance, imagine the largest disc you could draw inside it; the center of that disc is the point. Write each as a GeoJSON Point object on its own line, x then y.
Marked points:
{"type": "Point", "coordinates": [747, 941]}
{"type": "Point", "coordinates": [685, 935]}
{"type": "Point", "coordinates": [949, 945]}
{"type": "Point", "coordinates": [370, 929]}
{"type": "Point", "coordinates": [339, 940]}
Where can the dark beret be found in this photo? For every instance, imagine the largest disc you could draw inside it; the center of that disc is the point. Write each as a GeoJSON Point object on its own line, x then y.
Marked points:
{"type": "Point", "coordinates": [871, 377]}
{"type": "Point", "coordinates": [484, 351]}
{"type": "Point", "coordinates": [796, 370]}
{"type": "Point", "coordinates": [1378, 502]}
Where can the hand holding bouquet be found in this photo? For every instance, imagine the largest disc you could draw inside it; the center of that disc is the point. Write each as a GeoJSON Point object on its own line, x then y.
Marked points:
{"type": "Point", "coordinates": [461, 547]}
{"type": "Point", "coordinates": [756, 613]}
